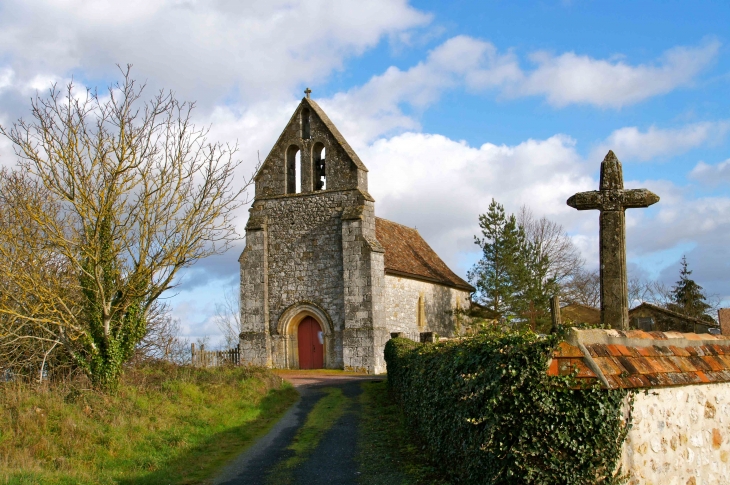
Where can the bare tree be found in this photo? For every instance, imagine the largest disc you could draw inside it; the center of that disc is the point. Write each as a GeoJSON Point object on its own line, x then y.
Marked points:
{"type": "Point", "coordinates": [162, 340]}
{"type": "Point", "coordinates": [563, 256]}
{"type": "Point", "coordinates": [32, 278]}
{"type": "Point", "coordinates": [228, 317]}
{"type": "Point", "coordinates": [136, 193]}
{"type": "Point", "coordinates": [583, 288]}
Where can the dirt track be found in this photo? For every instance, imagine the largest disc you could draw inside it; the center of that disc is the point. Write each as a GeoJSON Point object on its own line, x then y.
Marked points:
{"type": "Point", "coordinates": [333, 459]}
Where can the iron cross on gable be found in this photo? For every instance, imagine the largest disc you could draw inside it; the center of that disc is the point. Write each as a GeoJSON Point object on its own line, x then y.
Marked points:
{"type": "Point", "coordinates": [612, 200]}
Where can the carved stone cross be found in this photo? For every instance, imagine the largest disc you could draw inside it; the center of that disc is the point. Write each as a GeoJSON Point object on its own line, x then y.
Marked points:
{"type": "Point", "coordinates": [612, 200]}
{"type": "Point", "coordinates": [307, 92]}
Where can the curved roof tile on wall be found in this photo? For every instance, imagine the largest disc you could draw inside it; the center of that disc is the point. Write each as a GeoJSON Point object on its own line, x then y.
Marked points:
{"type": "Point", "coordinates": [408, 255]}
{"type": "Point", "coordinates": [635, 359]}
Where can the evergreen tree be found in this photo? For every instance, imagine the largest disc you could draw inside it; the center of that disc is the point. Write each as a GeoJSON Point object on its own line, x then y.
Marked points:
{"type": "Point", "coordinates": [688, 297]}
{"type": "Point", "coordinates": [512, 276]}
{"type": "Point", "coordinates": [496, 275]}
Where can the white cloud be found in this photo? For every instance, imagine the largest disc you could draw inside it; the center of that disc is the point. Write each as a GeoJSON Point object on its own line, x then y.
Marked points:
{"type": "Point", "coordinates": [375, 108]}
{"type": "Point", "coordinates": [712, 174]}
{"type": "Point", "coordinates": [202, 49]}
{"type": "Point", "coordinates": [378, 107]}
{"type": "Point", "coordinates": [574, 79]}
{"type": "Point", "coordinates": [441, 185]}
{"type": "Point", "coordinates": [630, 143]}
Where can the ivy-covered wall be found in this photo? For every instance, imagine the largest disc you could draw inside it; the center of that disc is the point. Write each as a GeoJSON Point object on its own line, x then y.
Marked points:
{"type": "Point", "coordinates": [488, 411]}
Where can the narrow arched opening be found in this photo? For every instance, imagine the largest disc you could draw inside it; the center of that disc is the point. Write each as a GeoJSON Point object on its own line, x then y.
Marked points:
{"type": "Point", "coordinates": [306, 132]}
{"type": "Point", "coordinates": [320, 174]}
{"type": "Point", "coordinates": [293, 170]}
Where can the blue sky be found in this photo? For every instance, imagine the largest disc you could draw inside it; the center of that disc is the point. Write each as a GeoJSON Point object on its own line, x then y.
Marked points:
{"type": "Point", "coordinates": [448, 103]}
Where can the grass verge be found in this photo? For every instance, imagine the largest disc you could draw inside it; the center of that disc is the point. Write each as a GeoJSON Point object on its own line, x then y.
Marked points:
{"type": "Point", "coordinates": [320, 419]}
{"type": "Point", "coordinates": [388, 454]}
{"type": "Point", "coordinates": [166, 424]}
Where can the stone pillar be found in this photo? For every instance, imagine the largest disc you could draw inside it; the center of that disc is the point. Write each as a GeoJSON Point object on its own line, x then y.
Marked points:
{"type": "Point", "coordinates": [614, 286]}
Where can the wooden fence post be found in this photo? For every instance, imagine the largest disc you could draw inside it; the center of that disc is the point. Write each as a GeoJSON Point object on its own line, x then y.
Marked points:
{"type": "Point", "coordinates": [555, 313]}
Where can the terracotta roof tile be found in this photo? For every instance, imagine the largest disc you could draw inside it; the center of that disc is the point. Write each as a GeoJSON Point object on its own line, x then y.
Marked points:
{"type": "Point", "coordinates": [407, 254]}
{"type": "Point", "coordinates": [636, 359]}
{"type": "Point", "coordinates": [566, 350]}
{"type": "Point", "coordinates": [613, 351]}
{"type": "Point", "coordinates": [683, 364]}
{"type": "Point", "coordinates": [646, 351]}
{"type": "Point", "coordinates": [699, 363]}
{"type": "Point", "coordinates": [668, 364]}
{"type": "Point", "coordinates": [598, 350]}
{"type": "Point", "coordinates": [715, 364]}
{"type": "Point", "coordinates": [720, 350]}
{"type": "Point", "coordinates": [625, 351]}
{"type": "Point", "coordinates": [678, 351]}
{"type": "Point", "coordinates": [708, 350]}
{"type": "Point", "coordinates": [702, 376]}
{"type": "Point", "coordinates": [553, 368]}
{"type": "Point", "coordinates": [609, 366]}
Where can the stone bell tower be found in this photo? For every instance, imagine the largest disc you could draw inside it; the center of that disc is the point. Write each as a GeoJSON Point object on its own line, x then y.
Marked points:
{"type": "Point", "coordinates": [312, 271]}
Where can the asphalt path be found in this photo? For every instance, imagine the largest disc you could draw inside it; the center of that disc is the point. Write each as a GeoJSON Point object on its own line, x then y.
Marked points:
{"type": "Point", "coordinates": [331, 462]}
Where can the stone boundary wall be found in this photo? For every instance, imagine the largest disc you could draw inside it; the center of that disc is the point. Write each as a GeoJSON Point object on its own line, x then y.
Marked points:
{"type": "Point", "coordinates": [681, 413]}
{"type": "Point", "coordinates": [679, 435]}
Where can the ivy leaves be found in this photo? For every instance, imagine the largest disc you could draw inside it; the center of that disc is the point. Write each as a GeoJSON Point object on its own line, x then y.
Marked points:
{"type": "Point", "coordinates": [488, 410]}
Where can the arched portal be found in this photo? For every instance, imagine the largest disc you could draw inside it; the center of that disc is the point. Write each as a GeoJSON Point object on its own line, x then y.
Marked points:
{"type": "Point", "coordinates": [288, 329]}
{"type": "Point", "coordinates": [310, 340]}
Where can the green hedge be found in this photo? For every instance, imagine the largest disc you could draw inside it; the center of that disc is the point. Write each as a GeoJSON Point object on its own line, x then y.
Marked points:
{"type": "Point", "coordinates": [488, 412]}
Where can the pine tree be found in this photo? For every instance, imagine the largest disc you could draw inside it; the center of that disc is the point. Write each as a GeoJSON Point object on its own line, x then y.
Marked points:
{"type": "Point", "coordinates": [512, 276]}
{"type": "Point", "coordinates": [687, 296]}
{"type": "Point", "coordinates": [495, 274]}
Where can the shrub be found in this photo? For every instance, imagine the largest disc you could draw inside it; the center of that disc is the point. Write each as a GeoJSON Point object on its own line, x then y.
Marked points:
{"type": "Point", "coordinates": [486, 408]}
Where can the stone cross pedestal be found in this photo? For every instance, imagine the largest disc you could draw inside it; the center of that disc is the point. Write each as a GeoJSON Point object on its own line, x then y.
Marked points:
{"type": "Point", "coordinates": [612, 200]}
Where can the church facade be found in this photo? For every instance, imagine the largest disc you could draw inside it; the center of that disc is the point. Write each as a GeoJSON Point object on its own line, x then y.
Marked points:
{"type": "Point", "coordinates": [323, 280]}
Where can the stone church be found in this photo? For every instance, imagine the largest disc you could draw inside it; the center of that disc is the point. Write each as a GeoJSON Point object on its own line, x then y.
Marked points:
{"type": "Point", "coordinates": [323, 280]}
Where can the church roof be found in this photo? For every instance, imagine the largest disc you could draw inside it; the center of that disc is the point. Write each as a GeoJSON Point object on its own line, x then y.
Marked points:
{"type": "Point", "coordinates": [408, 255]}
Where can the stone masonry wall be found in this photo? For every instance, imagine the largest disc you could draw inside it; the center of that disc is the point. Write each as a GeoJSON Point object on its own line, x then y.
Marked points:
{"type": "Point", "coordinates": [254, 344]}
{"type": "Point", "coordinates": [305, 262]}
{"type": "Point", "coordinates": [439, 302]}
{"type": "Point", "coordinates": [680, 435]}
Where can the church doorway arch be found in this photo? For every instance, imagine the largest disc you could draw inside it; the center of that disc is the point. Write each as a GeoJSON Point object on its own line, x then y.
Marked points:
{"type": "Point", "coordinates": [310, 343]}
{"type": "Point", "coordinates": [321, 331]}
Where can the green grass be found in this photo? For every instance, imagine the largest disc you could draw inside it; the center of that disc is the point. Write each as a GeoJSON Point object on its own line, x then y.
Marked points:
{"type": "Point", "coordinates": [388, 454]}
{"type": "Point", "coordinates": [320, 419]}
{"type": "Point", "coordinates": [166, 424]}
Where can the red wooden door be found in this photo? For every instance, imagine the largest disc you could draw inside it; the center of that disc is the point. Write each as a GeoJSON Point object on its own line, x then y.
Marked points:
{"type": "Point", "coordinates": [311, 352]}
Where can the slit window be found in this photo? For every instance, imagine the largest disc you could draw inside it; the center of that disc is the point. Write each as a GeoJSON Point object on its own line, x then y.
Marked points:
{"type": "Point", "coordinates": [320, 173]}
{"type": "Point", "coordinates": [306, 134]}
